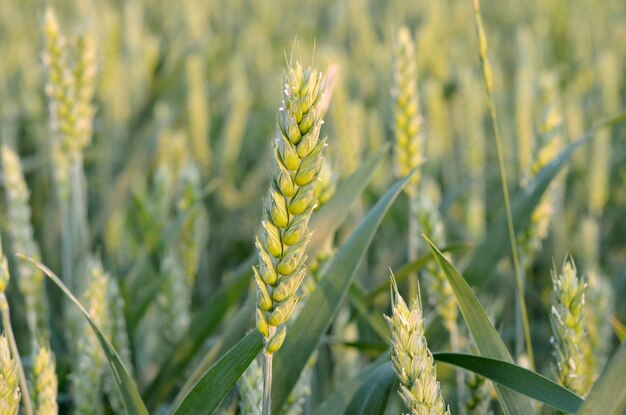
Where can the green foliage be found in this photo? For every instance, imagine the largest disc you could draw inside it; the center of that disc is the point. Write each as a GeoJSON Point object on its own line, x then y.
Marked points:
{"type": "Point", "coordinates": [147, 136]}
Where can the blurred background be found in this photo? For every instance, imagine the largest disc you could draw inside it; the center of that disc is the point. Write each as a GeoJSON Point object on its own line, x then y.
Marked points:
{"type": "Point", "coordinates": [187, 92]}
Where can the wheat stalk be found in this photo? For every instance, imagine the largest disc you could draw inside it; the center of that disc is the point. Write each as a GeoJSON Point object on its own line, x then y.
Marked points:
{"type": "Point", "coordinates": [288, 207]}
{"type": "Point", "coordinates": [250, 387]}
{"type": "Point", "coordinates": [411, 358]}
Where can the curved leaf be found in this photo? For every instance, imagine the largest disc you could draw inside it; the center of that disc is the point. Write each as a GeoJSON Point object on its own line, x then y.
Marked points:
{"type": "Point", "coordinates": [485, 336]}
{"type": "Point", "coordinates": [130, 396]}
{"type": "Point", "coordinates": [320, 309]}
{"type": "Point", "coordinates": [210, 390]}
{"type": "Point", "coordinates": [325, 222]}
{"type": "Point", "coordinates": [608, 394]}
{"type": "Point", "coordinates": [516, 378]}
{"type": "Point", "coordinates": [372, 396]}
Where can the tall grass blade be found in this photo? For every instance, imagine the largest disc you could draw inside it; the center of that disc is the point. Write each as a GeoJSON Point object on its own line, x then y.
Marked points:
{"type": "Point", "coordinates": [516, 378]}
{"type": "Point", "coordinates": [372, 396]}
{"type": "Point", "coordinates": [485, 336]}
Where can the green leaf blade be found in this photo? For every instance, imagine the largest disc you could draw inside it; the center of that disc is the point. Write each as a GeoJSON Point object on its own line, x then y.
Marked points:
{"type": "Point", "coordinates": [485, 336]}
{"type": "Point", "coordinates": [207, 394]}
{"type": "Point", "coordinates": [516, 378]}
{"type": "Point", "coordinates": [371, 398]}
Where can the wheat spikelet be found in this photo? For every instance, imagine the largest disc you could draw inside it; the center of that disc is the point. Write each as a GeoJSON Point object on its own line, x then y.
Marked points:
{"type": "Point", "coordinates": [568, 327]}
{"type": "Point", "coordinates": [30, 279]}
{"type": "Point", "coordinates": [409, 139]}
{"type": "Point", "coordinates": [411, 358]}
{"type": "Point", "coordinates": [9, 380]}
{"type": "Point", "coordinates": [45, 383]}
{"type": "Point", "coordinates": [285, 235]}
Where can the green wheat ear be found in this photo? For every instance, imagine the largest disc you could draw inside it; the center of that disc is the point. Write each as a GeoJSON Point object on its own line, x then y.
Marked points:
{"type": "Point", "coordinates": [45, 382]}
{"type": "Point", "coordinates": [30, 279]}
{"type": "Point", "coordinates": [408, 149]}
{"type": "Point", "coordinates": [411, 358]}
{"type": "Point", "coordinates": [292, 197]}
{"type": "Point", "coordinates": [9, 380]}
{"type": "Point", "coordinates": [568, 327]}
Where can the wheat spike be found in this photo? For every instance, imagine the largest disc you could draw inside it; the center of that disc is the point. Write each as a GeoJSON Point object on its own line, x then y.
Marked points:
{"type": "Point", "coordinates": [288, 207]}
{"type": "Point", "coordinates": [30, 279]}
{"type": "Point", "coordinates": [9, 380]}
{"type": "Point", "coordinates": [409, 139]}
{"type": "Point", "coordinates": [411, 358]}
{"type": "Point", "coordinates": [568, 327]}
{"type": "Point", "coordinates": [45, 382]}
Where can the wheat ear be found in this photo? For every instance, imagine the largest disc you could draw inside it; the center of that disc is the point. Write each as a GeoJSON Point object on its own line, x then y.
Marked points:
{"type": "Point", "coordinates": [45, 382]}
{"type": "Point", "coordinates": [11, 346]}
{"type": "Point", "coordinates": [568, 327]}
{"type": "Point", "coordinates": [296, 164]}
{"type": "Point", "coordinates": [30, 279]}
{"type": "Point", "coordinates": [9, 380]}
{"type": "Point", "coordinates": [409, 138]}
{"type": "Point", "coordinates": [411, 358]}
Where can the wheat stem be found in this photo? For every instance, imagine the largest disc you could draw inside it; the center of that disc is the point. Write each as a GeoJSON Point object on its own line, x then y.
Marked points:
{"type": "Point", "coordinates": [505, 188]}
{"type": "Point", "coordinates": [267, 383]}
{"type": "Point", "coordinates": [6, 322]}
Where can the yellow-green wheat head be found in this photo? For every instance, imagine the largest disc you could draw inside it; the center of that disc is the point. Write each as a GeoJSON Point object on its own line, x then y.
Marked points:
{"type": "Point", "coordinates": [295, 168]}
{"type": "Point", "coordinates": [411, 358]}
{"type": "Point", "coordinates": [407, 120]}
{"type": "Point", "coordinates": [568, 327]}
{"type": "Point", "coordinates": [9, 383]}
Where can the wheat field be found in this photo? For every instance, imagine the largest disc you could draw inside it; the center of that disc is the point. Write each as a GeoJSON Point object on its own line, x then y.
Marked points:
{"type": "Point", "coordinates": [323, 207]}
